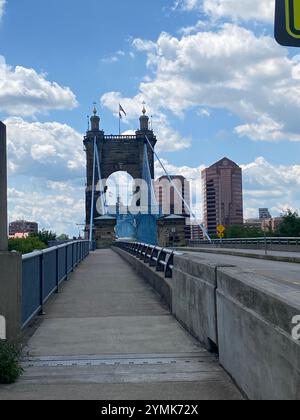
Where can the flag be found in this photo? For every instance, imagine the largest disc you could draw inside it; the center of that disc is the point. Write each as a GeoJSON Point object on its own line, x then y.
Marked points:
{"type": "Point", "coordinates": [121, 110]}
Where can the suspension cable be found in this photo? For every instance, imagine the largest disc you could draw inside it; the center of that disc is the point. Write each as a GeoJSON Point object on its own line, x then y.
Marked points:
{"type": "Point", "coordinates": [103, 203]}
{"type": "Point", "coordinates": [147, 174]}
{"type": "Point", "coordinates": [93, 194]}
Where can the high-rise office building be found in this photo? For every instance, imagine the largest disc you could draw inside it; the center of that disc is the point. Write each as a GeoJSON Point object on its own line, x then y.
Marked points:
{"type": "Point", "coordinates": [168, 200]}
{"type": "Point", "coordinates": [264, 214]}
{"type": "Point", "coordinates": [223, 195]}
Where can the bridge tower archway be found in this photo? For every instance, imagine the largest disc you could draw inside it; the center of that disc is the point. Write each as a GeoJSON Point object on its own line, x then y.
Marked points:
{"type": "Point", "coordinates": [116, 153]}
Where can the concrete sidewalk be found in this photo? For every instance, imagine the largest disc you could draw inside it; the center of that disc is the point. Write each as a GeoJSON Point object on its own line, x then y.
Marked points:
{"type": "Point", "coordinates": [107, 335]}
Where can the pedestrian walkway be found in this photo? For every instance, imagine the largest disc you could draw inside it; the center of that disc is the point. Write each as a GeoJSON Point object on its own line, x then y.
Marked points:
{"type": "Point", "coordinates": [107, 335]}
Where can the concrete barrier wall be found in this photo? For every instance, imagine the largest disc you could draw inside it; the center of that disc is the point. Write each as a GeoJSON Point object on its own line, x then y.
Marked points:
{"type": "Point", "coordinates": [247, 315]}
{"type": "Point", "coordinates": [254, 319]}
{"type": "Point", "coordinates": [194, 298]}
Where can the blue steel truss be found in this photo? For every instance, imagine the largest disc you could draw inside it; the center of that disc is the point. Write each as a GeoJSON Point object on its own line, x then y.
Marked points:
{"type": "Point", "coordinates": [140, 227]}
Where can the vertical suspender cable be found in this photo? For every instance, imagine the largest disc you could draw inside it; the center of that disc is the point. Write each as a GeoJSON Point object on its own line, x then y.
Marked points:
{"type": "Point", "coordinates": [177, 191]}
{"type": "Point", "coordinates": [103, 204]}
{"type": "Point", "coordinates": [147, 177]}
{"type": "Point", "coordinates": [93, 193]}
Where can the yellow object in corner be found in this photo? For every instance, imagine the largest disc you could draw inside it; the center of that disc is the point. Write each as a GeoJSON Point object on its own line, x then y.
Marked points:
{"type": "Point", "coordinates": [292, 11]}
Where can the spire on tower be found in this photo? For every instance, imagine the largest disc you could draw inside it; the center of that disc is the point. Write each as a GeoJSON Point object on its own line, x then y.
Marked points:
{"type": "Point", "coordinates": [144, 109]}
{"type": "Point", "coordinates": [144, 119]}
{"type": "Point", "coordinates": [95, 119]}
{"type": "Point", "coordinates": [95, 109]}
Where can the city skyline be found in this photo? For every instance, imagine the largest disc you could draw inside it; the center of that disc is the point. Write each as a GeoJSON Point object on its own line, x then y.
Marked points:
{"type": "Point", "coordinates": [206, 102]}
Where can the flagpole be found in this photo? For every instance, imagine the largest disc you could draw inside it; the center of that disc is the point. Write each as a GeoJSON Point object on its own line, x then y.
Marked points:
{"type": "Point", "coordinates": [121, 110]}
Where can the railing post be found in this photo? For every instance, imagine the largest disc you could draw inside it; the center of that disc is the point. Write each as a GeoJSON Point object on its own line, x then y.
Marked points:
{"type": "Point", "coordinates": [152, 263]}
{"type": "Point", "coordinates": [136, 248]}
{"type": "Point", "coordinates": [159, 266]}
{"type": "Point", "coordinates": [66, 260]}
{"type": "Point", "coordinates": [169, 266]}
{"type": "Point", "coordinates": [141, 257]}
{"type": "Point", "coordinates": [56, 274]}
{"type": "Point", "coordinates": [146, 254]}
{"type": "Point", "coordinates": [72, 257]}
{"type": "Point", "coordinates": [41, 258]}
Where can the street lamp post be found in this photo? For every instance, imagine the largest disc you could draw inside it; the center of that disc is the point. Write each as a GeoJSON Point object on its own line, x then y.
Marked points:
{"type": "Point", "coordinates": [265, 236]}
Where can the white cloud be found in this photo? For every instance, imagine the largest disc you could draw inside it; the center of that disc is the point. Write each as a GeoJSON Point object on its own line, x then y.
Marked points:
{"type": "Point", "coordinates": [23, 91]}
{"type": "Point", "coordinates": [143, 45]}
{"type": "Point", "coordinates": [187, 5]}
{"type": "Point", "coordinates": [46, 165]}
{"type": "Point", "coordinates": [113, 58]}
{"type": "Point", "coordinates": [2, 5]}
{"type": "Point", "coordinates": [260, 10]}
{"type": "Point", "coordinates": [44, 150]}
{"type": "Point", "coordinates": [169, 140]}
{"type": "Point", "coordinates": [233, 69]}
{"type": "Point", "coordinates": [58, 209]}
{"type": "Point", "coordinates": [204, 113]}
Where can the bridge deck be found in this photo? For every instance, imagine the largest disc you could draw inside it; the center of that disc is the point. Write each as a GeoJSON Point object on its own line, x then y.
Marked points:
{"type": "Point", "coordinates": [107, 335]}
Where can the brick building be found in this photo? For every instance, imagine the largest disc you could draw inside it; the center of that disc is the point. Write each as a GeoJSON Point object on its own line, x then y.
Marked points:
{"type": "Point", "coordinates": [23, 227]}
{"type": "Point", "coordinates": [223, 195]}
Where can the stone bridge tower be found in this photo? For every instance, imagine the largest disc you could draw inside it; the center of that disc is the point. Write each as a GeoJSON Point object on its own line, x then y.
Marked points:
{"type": "Point", "coordinates": [116, 153]}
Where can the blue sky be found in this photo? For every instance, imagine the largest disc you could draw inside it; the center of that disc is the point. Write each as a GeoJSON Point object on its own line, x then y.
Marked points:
{"type": "Point", "coordinates": [210, 72]}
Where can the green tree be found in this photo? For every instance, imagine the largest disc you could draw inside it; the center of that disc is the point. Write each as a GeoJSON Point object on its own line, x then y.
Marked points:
{"type": "Point", "coordinates": [26, 245]}
{"type": "Point", "coordinates": [290, 226]}
{"type": "Point", "coordinates": [243, 232]}
{"type": "Point", "coordinates": [45, 236]}
{"type": "Point", "coordinates": [63, 237]}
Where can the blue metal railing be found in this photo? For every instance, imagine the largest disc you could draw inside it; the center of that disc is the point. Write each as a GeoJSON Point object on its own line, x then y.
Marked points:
{"type": "Point", "coordinates": [161, 259]}
{"type": "Point", "coordinates": [44, 271]}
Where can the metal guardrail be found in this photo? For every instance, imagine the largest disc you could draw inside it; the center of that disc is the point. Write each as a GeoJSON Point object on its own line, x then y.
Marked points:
{"type": "Point", "coordinates": [44, 271]}
{"type": "Point", "coordinates": [162, 259]}
{"type": "Point", "coordinates": [250, 241]}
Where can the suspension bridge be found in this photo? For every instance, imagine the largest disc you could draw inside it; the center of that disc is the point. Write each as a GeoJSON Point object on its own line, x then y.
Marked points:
{"type": "Point", "coordinates": [107, 154]}
{"type": "Point", "coordinates": [134, 320]}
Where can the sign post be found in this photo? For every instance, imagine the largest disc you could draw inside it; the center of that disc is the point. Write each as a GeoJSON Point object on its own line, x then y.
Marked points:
{"type": "Point", "coordinates": [287, 23]}
{"type": "Point", "coordinates": [221, 232]}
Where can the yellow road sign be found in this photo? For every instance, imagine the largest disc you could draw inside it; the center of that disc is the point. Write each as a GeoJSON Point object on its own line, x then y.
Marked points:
{"type": "Point", "coordinates": [221, 235]}
{"type": "Point", "coordinates": [221, 229]}
{"type": "Point", "coordinates": [287, 22]}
